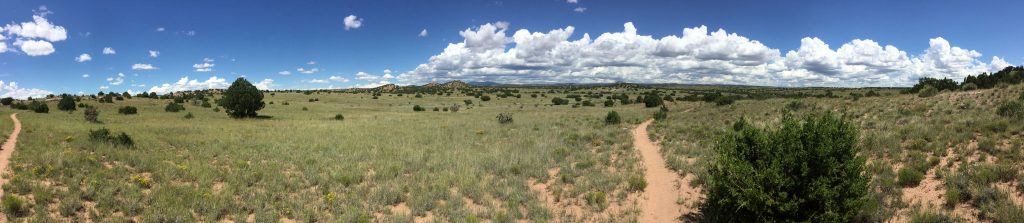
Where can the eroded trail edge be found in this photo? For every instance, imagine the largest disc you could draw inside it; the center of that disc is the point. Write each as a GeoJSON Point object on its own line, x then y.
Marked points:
{"type": "Point", "coordinates": [8, 149]}
{"type": "Point", "coordinates": [663, 199]}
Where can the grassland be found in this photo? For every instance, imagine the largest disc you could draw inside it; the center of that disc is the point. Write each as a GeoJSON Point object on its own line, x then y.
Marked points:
{"type": "Point", "coordinates": [387, 163]}
{"type": "Point", "coordinates": [383, 162]}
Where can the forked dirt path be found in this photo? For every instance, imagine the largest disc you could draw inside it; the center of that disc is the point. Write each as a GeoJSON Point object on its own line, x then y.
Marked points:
{"type": "Point", "coordinates": [8, 149]}
{"type": "Point", "coordinates": [659, 200]}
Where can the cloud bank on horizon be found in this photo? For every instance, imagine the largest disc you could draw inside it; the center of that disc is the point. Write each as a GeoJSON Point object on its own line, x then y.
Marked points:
{"type": "Point", "coordinates": [698, 56]}
{"type": "Point", "coordinates": [493, 52]}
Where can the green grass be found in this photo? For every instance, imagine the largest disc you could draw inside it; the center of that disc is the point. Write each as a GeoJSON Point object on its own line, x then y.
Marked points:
{"type": "Point", "coordinates": [211, 167]}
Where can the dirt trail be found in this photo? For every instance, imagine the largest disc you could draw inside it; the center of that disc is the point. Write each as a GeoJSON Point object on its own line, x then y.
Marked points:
{"type": "Point", "coordinates": [8, 149]}
{"type": "Point", "coordinates": [659, 200]}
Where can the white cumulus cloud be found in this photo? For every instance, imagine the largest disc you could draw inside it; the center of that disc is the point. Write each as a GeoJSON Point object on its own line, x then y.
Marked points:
{"type": "Point", "coordinates": [698, 56]}
{"type": "Point", "coordinates": [353, 22]}
{"type": "Point", "coordinates": [12, 90]}
{"type": "Point", "coordinates": [203, 67]}
{"type": "Point", "coordinates": [108, 50]}
{"type": "Point", "coordinates": [82, 58]}
{"type": "Point", "coordinates": [265, 84]}
{"type": "Point", "coordinates": [186, 84]}
{"type": "Point", "coordinates": [307, 71]}
{"type": "Point", "coordinates": [423, 33]}
{"type": "Point", "coordinates": [142, 66]}
{"type": "Point", "coordinates": [35, 47]}
{"type": "Point", "coordinates": [285, 72]}
{"type": "Point", "coordinates": [154, 53]}
{"type": "Point", "coordinates": [338, 79]}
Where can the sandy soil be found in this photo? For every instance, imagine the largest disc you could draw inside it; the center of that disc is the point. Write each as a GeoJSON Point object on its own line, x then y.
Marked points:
{"type": "Point", "coordinates": [660, 200]}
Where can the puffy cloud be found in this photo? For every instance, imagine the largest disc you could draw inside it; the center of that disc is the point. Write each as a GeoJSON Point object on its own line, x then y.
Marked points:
{"type": "Point", "coordinates": [142, 66]}
{"type": "Point", "coordinates": [34, 38]}
{"type": "Point", "coordinates": [580, 9]}
{"type": "Point", "coordinates": [285, 72]}
{"type": "Point", "coordinates": [307, 71]}
{"type": "Point", "coordinates": [203, 67]}
{"type": "Point", "coordinates": [423, 33]}
{"type": "Point", "coordinates": [186, 84]}
{"type": "Point", "coordinates": [208, 60]}
{"type": "Point", "coordinates": [998, 64]}
{"type": "Point", "coordinates": [572, 1]}
{"type": "Point", "coordinates": [12, 90]}
{"type": "Point", "coordinates": [154, 53]}
{"type": "Point", "coordinates": [118, 80]}
{"type": "Point", "coordinates": [487, 37]}
{"type": "Point", "coordinates": [265, 84]}
{"type": "Point", "coordinates": [370, 77]}
{"type": "Point", "coordinates": [82, 58]}
{"type": "Point", "coordinates": [317, 81]}
{"type": "Point", "coordinates": [108, 51]}
{"type": "Point", "coordinates": [338, 79]}
{"type": "Point", "coordinates": [353, 22]}
{"type": "Point", "coordinates": [35, 47]}
{"type": "Point", "coordinates": [38, 28]}
{"type": "Point", "coordinates": [696, 56]}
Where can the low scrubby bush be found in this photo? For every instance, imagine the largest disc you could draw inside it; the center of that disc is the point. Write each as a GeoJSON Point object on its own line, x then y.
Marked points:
{"type": "Point", "coordinates": [128, 110]}
{"type": "Point", "coordinates": [559, 101]}
{"type": "Point", "coordinates": [418, 108]}
{"type": "Point", "coordinates": [927, 91]}
{"type": "Point", "coordinates": [804, 171]}
{"type": "Point", "coordinates": [339, 117]}
{"type": "Point", "coordinates": [505, 118]}
{"type": "Point", "coordinates": [612, 118]}
{"type": "Point", "coordinates": [92, 114]}
{"type": "Point", "coordinates": [104, 135]}
{"type": "Point", "coordinates": [1011, 109]}
{"type": "Point", "coordinates": [174, 107]}
{"type": "Point", "coordinates": [189, 116]}
{"type": "Point", "coordinates": [14, 206]}
{"type": "Point", "coordinates": [909, 177]}
{"type": "Point", "coordinates": [661, 114]}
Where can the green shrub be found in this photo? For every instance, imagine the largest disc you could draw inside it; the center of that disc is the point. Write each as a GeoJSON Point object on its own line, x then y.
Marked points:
{"type": "Point", "coordinates": [969, 87]}
{"type": "Point", "coordinates": [128, 110]}
{"type": "Point", "coordinates": [418, 108]}
{"type": "Point", "coordinates": [436, 109]}
{"type": "Point", "coordinates": [803, 171]}
{"type": "Point", "coordinates": [485, 98]}
{"type": "Point", "coordinates": [505, 118]}
{"type": "Point", "coordinates": [1011, 109]}
{"type": "Point", "coordinates": [189, 116]}
{"type": "Point", "coordinates": [725, 100]}
{"type": "Point", "coordinates": [637, 183]}
{"type": "Point", "coordinates": [587, 103]}
{"type": "Point", "coordinates": [596, 198]}
{"type": "Point", "coordinates": [559, 101]}
{"type": "Point", "coordinates": [39, 107]}
{"type": "Point", "coordinates": [104, 135]}
{"type": "Point", "coordinates": [339, 117]}
{"type": "Point", "coordinates": [67, 103]}
{"type": "Point", "coordinates": [612, 118]}
{"type": "Point", "coordinates": [242, 99]}
{"type": "Point", "coordinates": [909, 177]}
{"type": "Point", "coordinates": [173, 107]}
{"type": "Point", "coordinates": [931, 217]}
{"type": "Point", "coordinates": [609, 103]}
{"type": "Point", "coordinates": [14, 206]}
{"type": "Point", "coordinates": [7, 101]}
{"type": "Point", "coordinates": [927, 91]}
{"type": "Point", "coordinates": [652, 100]}
{"type": "Point", "coordinates": [92, 114]}
{"type": "Point", "coordinates": [661, 114]}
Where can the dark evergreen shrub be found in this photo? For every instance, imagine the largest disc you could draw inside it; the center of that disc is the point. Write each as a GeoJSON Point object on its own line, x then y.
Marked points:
{"type": "Point", "coordinates": [612, 118]}
{"type": "Point", "coordinates": [805, 171]}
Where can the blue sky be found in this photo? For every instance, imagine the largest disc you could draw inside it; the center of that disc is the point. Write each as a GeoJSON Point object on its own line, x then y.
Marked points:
{"type": "Point", "coordinates": [764, 43]}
